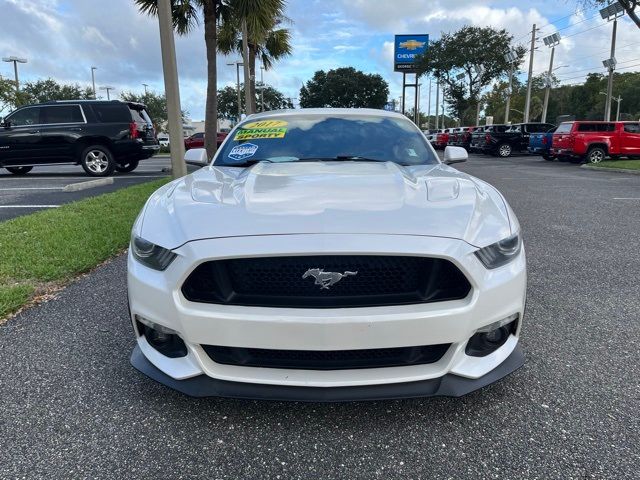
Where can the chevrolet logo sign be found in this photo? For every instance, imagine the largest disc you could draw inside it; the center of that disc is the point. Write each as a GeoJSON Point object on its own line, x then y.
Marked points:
{"type": "Point", "coordinates": [412, 44]}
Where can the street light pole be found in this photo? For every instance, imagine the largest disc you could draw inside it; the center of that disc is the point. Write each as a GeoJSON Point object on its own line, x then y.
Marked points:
{"type": "Point", "coordinates": [108, 89]}
{"type": "Point", "coordinates": [93, 81]}
{"type": "Point", "coordinates": [550, 41]}
{"type": "Point", "coordinates": [171, 87]}
{"type": "Point", "coordinates": [238, 65]}
{"type": "Point", "coordinates": [611, 12]}
{"type": "Point", "coordinates": [15, 61]}
{"type": "Point", "coordinates": [145, 88]}
{"type": "Point", "coordinates": [612, 66]}
{"type": "Point", "coordinates": [262, 89]}
{"type": "Point", "coordinates": [512, 59]}
{"type": "Point", "coordinates": [527, 102]}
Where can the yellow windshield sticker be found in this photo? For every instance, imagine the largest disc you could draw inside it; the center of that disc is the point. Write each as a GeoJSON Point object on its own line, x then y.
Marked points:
{"type": "Point", "coordinates": [258, 133]}
{"type": "Point", "coordinates": [265, 124]}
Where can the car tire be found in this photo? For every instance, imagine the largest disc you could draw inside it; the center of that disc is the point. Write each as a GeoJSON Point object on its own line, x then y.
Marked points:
{"type": "Point", "coordinates": [130, 166]}
{"type": "Point", "coordinates": [548, 158]}
{"type": "Point", "coordinates": [97, 161]}
{"type": "Point", "coordinates": [19, 170]}
{"type": "Point", "coordinates": [504, 150]}
{"type": "Point", "coordinates": [596, 155]}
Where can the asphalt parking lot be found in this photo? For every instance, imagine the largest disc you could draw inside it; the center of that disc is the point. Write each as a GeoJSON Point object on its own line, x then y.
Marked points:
{"type": "Point", "coordinates": [72, 406]}
{"type": "Point", "coordinates": [43, 187]}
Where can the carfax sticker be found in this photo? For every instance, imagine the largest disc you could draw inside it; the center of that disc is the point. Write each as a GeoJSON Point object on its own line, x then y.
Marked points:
{"type": "Point", "coordinates": [240, 152]}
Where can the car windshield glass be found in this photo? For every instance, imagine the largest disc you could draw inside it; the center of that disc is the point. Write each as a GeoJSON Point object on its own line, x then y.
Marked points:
{"type": "Point", "coordinates": [326, 137]}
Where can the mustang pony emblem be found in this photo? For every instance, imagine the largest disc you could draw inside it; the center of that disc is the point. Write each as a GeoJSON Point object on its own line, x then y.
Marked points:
{"type": "Point", "coordinates": [326, 279]}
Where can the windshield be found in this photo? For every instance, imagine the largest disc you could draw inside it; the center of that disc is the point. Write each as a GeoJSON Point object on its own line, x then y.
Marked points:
{"type": "Point", "coordinates": [326, 137]}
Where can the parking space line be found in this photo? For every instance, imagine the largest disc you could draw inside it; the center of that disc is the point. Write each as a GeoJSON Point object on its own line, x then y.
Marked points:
{"type": "Point", "coordinates": [29, 206]}
{"type": "Point", "coordinates": [627, 198]}
{"type": "Point", "coordinates": [30, 188]}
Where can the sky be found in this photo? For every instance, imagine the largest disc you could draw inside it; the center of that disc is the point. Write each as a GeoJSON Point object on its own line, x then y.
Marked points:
{"type": "Point", "coordinates": [62, 39]}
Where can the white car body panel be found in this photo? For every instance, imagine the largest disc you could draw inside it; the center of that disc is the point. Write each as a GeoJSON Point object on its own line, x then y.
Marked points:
{"type": "Point", "coordinates": [327, 208]}
{"type": "Point", "coordinates": [326, 197]}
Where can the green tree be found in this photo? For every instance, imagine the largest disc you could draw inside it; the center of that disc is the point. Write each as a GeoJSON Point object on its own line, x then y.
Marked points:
{"type": "Point", "coordinates": [477, 55]}
{"type": "Point", "coordinates": [48, 90]}
{"type": "Point", "coordinates": [7, 95]}
{"type": "Point", "coordinates": [266, 39]}
{"type": "Point", "coordinates": [228, 101]}
{"type": "Point", "coordinates": [344, 87]}
{"type": "Point", "coordinates": [186, 15]}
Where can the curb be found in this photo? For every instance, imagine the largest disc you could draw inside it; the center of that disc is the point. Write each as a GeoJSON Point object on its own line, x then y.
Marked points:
{"type": "Point", "coordinates": [607, 169]}
{"type": "Point", "coordinates": [76, 187]}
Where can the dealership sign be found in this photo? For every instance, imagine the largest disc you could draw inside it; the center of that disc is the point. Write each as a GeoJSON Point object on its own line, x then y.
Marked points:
{"type": "Point", "coordinates": [405, 50]}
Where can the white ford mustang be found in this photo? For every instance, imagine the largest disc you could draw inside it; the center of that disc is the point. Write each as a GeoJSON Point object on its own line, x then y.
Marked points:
{"type": "Point", "coordinates": [327, 255]}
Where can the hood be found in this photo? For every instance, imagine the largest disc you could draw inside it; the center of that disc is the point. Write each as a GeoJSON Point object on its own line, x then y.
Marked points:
{"type": "Point", "coordinates": [326, 197]}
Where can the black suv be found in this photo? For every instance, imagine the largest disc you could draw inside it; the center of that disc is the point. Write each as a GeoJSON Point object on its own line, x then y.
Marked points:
{"type": "Point", "coordinates": [102, 136]}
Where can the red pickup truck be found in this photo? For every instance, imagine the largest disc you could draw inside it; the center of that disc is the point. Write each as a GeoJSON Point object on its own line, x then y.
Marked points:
{"type": "Point", "coordinates": [592, 142]}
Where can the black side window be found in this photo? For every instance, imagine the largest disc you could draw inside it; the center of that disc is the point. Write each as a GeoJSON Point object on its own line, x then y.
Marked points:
{"type": "Point", "coordinates": [61, 114]}
{"type": "Point", "coordinates": [26, 116]}
{"type": "Point", "coordinates": [632, 127]}
{"type": "Point", "coordinates": [112, 113]}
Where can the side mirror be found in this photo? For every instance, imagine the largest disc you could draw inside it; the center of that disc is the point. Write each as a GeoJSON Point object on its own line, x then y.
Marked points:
{"type": "Point", "coordinates": [197, 156]}
{"type": "Point", "coordinates": [455, 155]}
{"type": "Point", "coordinates": [6, 124]}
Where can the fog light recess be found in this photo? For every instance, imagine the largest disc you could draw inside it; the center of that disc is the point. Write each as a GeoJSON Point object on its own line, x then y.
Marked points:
{"type": "Point", "coordinates": [488, 339]}
{"type": "Point", "coordinates": [163, 339]}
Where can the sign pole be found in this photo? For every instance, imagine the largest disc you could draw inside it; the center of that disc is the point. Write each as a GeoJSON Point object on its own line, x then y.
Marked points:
{"type": "Point", "coordinates": [416, 112]}
{"type": "Point", "coordinates": [404, 86]}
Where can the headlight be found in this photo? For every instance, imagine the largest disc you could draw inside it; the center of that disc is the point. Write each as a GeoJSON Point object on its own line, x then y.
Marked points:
{"type": "Point", "coordinates": [500, 253]}
{"type": "Point", "coordinates": [151, 255]}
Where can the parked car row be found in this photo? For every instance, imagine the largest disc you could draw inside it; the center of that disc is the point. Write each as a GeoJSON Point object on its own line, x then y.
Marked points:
{"type": "Point", "coordinates": [577, 141]}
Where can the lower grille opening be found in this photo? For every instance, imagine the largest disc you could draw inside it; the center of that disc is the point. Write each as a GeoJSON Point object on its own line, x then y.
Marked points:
{"type": "Point", "coordinates": [326, 359]}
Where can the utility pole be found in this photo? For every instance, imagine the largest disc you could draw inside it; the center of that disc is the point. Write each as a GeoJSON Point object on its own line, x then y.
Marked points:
{"type": "Point", "coordinates": [429, 107]}
{"type": "Point", "coordinates": [550, 41]}
{"type": "Point", "coordinates": [171, 87]}
{"type": "Point", "coordinates": [93, 81]}
{"type": "Point", "coordinates": [437, 101]}
{"type": "Point", "coordinates": [15, 61]}
{"type": "Point", "coordinates": [527, 102]}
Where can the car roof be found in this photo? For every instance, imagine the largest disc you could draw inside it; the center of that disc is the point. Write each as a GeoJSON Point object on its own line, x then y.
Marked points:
{"type": "Point", "coordinates": [337, 112]}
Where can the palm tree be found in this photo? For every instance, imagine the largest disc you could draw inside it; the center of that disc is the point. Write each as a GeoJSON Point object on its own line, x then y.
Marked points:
{"type": "Point", "coordinates": [261, 19]}
{"type": "Point", "coordinates": [186, 16]}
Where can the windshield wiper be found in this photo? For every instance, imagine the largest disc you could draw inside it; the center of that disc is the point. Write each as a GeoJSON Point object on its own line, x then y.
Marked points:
{"type": "Point", "coordinates": [248, 163]}
{"type": "Point", "coordinates": [355, 158]}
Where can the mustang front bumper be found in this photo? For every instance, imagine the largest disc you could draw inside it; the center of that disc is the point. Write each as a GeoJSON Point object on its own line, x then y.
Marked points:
{"type": "Point", "coordinates": [495, 295]}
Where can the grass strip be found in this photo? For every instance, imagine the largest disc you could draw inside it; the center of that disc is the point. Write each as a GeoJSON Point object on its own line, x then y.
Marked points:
{"type": "Point", "coordinates": [624, 164]}
{"type": "Point", "coordinates": [57, 244]}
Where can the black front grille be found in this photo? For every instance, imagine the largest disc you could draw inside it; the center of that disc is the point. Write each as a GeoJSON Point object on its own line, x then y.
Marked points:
{"type": "Point", "coordinates": [363, 280]}
{"type": "Point", "coordinates": [326, 360]}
